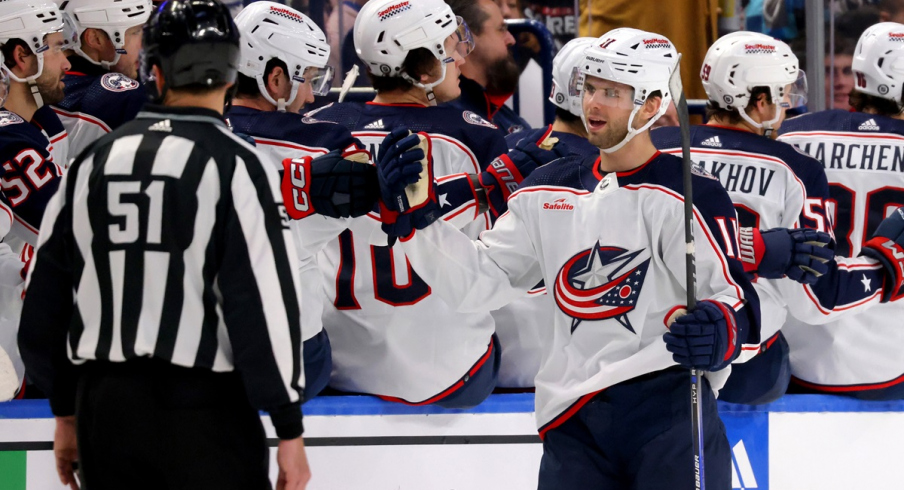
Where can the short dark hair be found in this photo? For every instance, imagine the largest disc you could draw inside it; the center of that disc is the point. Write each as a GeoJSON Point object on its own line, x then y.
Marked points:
{"type": "Point", "coordinates": [566, 116]}
{"type": "Point", "coordinates": [471, 12]}
{"type": "Point", "coordinates": [9, 48]}
{"type": "Point", "coordinates": [419, 61]}
{"type": "Point", "coordinates": [246, 87]}
{"type": "Point", "coordinates": [880, 105]}
{"type": "Point", "coordinates": [732, 115]}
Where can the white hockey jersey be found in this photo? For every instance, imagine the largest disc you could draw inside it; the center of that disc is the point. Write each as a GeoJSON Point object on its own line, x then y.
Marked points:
{"type": "Point", "coordinates": [611, 249]}
{"type": "Point", "coordinates": [773, 185]}
{"type": "Point", "coordinates": [863, 156]}
{"type": "Point", "coordinates": [390, 334]}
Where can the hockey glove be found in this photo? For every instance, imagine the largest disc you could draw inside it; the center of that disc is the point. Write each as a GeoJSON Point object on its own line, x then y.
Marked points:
{"type": "Point", "coordinates": [887, 246]}
{"type": "Point", "coordinates": [706, 338]}
{"type": "Point", "coordinates": [338, 185]}
{"type": "Point", "coordinates": [508, 170]}
{"type": "Point", "coordinates": [400, 164]}
{"type": "Point", "coordinates": [800, 254]}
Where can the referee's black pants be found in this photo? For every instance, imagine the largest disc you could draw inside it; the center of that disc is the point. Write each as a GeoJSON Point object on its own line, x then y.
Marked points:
{"type": "Point", "coordinates": [147, 424]}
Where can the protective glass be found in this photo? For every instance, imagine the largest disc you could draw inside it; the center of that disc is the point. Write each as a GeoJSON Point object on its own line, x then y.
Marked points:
{"type": "Point", "coordinates": [610, 96]}
{"type": "Point", "coordinates": [465, 42]}
{"type": "Point", "coordinates": [320, 79]}
{"type": "Point", "coordinates": [796, 92]}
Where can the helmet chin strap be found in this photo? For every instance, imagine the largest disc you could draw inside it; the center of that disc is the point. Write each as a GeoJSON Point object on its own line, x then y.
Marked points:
{"type": "Point", "coordinates": [766, 126]}
{"type": "Point", "coordinates": [31, 81]}
{"type": "Point", "coordinates": [107, 65]}
{"type": "Point", "coordinates": [281, 103]}
{"type": "Point", "coordinates": [631, 131]}
{"type": "Point", "coordinates": [428, 88]}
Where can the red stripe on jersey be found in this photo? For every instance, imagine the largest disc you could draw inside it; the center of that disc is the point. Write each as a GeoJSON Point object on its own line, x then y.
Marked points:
{"type": "Point", "coordinates": [452, 389]}
{"type": "Point", "coordinates": [836, 134]}
{"type": "Point", "coordinates": [84, 117]}
{"type": "Point", "coordinates": [597, 172]}
{"type": "Point", "coordinates": [838, 308]}
{"type": "Point", "coordinates": [564, 416]}
{"type": "Point", "coordinates": [849, 388]}
{"type": "Point", "coordinates": [576, 192]}
{"type": "Point", "coordinates": [60, 137]}
{"type": "Point", "coordinates": [285, 144]}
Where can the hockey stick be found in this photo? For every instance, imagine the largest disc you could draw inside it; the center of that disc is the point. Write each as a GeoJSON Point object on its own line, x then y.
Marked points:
{"type": "Point", "coordinates": [677, 91]}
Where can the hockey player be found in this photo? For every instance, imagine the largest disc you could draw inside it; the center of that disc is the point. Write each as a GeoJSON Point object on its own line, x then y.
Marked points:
{"type": "Point", "coordinates": [102, 91]}
{"type": "Point", "coordinates": [521, 324]}
{"type": "Point", "coordinates": [606, 234]}
{"type": "Point", "coordinates": [751, 79]}
{"type": "Point", "coordinates": [858, 355]}
{"type": "Point", "coordinates": [391, 336]}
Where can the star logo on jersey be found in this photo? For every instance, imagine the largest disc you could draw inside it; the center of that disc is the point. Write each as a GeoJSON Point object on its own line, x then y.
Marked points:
{"type": "Point", "coordinates": [601, 283]}
{"type": "Point", "coordinates": [117, 82]}
{"type": "Point", "coordinates": [866, 284]}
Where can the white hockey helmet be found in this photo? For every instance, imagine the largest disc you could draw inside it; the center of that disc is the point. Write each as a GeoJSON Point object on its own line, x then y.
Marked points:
{"type": "Point", "coordinates": [272, 30]}
{"type": "Point", "coordinates": [642, 60]}
{"type": "Point", "coordinates": [387, 30]}
{"type": "Point", "coordinates": [111, 16]}
{"type": "Point", "coordinates": [741, 61]}
{"type": "Point", "coordinates": [566, 75]}
{"type": "Point", "coordinates": [878, 62]}
{"type": "Point", "coordinates": [30, 21]}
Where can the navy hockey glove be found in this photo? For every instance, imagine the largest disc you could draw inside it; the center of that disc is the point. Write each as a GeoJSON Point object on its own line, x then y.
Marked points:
{"type": "Point", "coordinates": [508, 170]}
{"type": "Point", "coordinates": [338, 185]}
{"type": "Point", "coordinates": [706, 338]}
{"type": "Point", "coordinates": [398, 165]}
{"type": "Point", "coordinates": [800, 254]}
{"type": "Point", "coordinates": [887, 246]}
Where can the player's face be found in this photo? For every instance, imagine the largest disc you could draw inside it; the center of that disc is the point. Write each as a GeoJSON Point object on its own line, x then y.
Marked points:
{"type": "Point", "coordinates": [607, 108]}
{"type": "Point", "coordinates": [839, 81]}
{"type": "Point", "coordinates": [50, 83]}
{"type": "Point", "coordinates": [128, 63]}
{"type": "Point", "coordinates": [304, 95]}
{"type": "Point", "coordinates": [448, 89]}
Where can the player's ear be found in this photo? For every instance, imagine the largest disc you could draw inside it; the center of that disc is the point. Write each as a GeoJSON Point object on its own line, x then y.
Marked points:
{"type": "Point", "coordinates": [275, 81]}
{"type": "Point", "coordinates": [24, 63]}
{"type": "Point", "coordinates": [651, 106]}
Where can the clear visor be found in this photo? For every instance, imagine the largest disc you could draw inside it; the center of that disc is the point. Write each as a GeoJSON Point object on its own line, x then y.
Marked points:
{"type": "Point", "coordinates": [464, 42]}
{"type": "Point", "coordinates": [622, 98]}
{"type": "Point", "coordinates": [796, 93]}
{"type": "Point", "coordinates": [320, 79]}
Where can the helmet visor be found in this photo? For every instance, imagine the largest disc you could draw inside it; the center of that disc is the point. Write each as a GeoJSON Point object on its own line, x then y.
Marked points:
{"type": "Point", "coordinates": [320, 79]}
{"type": "Point", "coordinates": [462, 35]}
{"type": "Point", "coordinates": [603, 92]}
{"type": "Point", "coordinates": [796, 92]}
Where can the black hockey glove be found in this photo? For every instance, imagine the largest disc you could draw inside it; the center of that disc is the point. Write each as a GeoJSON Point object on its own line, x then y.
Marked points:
{"type": "Point", "coordinates": [338, 185]}
{"type": "Point", "coordinates": [887, 246]}
{"type": "Point", "coordinates": [800, 254]}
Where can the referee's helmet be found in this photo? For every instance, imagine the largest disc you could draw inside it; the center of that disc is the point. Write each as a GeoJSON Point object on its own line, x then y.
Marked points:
{"type": "Point", "coordinates": [195, 44]}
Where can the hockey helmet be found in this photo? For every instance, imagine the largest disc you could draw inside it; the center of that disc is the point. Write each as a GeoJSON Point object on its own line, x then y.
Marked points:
{"type": "Point", "coordinates": [567, 77]}
{"type": "Point", "coordinates": [741, 61]}
{"type": "Point", "coordinates": [193, 42]}
{"type": "Point", "coordinates": [878, 63]}
{"type": "Point", "coordinates": [271, 30]}
{"type": "Point", "coordinates": [642, 60]}
{"type": "Point", "coordinates": [30, 21]}
{"type": "Point", "coordinates": [112, 17]}
{"type": "Point", "coordinates": [387, 30]}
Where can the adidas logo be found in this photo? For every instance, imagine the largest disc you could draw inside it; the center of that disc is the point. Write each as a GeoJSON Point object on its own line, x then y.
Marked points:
{"type": "Point", "coordinates": [714, 141]}
{"type": "Point", "coordinates": [741, 469]}
{"type": "Point", "coordinates": [869, 125]}
{"type": "Point", "coordinates": [378, 124]}
{"type": "Point", "coordinates": [163, 125]}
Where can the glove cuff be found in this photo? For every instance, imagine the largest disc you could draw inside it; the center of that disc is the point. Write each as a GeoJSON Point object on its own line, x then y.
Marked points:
{"type": "Point", "coordinates": [295, 187]}
{"type": "Point", "coordinates": [891, 255]}
{"type": "Point", "coordinates": [732, 346]}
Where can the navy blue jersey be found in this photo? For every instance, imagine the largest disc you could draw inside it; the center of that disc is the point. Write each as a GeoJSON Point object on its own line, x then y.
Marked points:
{"type": "Point", "coordinates": [863, 158]}
{"type": "Point", "coordinates": [774, 185]}
{"type": "Point", "coordinates": [474, 98]}
{"type": "Point", "coordinates": [97, 101]}
{"type": "Point", "coordinates": [577, 145]}
{"type": "Point", "coordinates": [29, 175]}
{"type": "Point", "coordinates": [47, 121]}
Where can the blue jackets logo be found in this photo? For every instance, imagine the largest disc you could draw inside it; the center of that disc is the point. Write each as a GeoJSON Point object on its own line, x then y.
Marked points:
{"type": "Point", "coordinates": [600, 283]}
{"type": "Point", "coordinates": [117, 82]}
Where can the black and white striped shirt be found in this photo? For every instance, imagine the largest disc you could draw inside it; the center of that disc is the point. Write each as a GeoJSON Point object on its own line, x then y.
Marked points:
{"type": "Point", "coordinates": [168, 239]}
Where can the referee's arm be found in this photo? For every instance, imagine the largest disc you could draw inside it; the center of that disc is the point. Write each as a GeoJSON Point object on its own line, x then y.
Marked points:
{"type": "Point", "coordinates": [49, 304]}
{"type": "Point", "coordinates": [259, 284]}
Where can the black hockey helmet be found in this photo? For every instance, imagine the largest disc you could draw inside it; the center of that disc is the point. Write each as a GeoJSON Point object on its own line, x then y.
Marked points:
{"type": "Point", "coordinates": [193, 42]}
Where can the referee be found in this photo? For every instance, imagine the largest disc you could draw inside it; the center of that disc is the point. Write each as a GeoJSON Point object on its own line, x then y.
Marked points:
{"type": "Point", "coordinates": [161, 310]}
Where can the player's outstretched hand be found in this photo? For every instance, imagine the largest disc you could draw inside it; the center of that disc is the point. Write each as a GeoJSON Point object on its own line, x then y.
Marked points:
{"type": "Point", "coordinates": [65, 451]}
{"type": "Point", "coordinates": [887, 246]}
{"type": "Point", "coordinates": [508, 170]}
{"type": "Point", "coordinates": [294, 472]}
{"type": "Point", "coordinates": [800, 254]}
{"type": "Point", "coordinates": [706, 338]}
{"type": "Point", "coordinates": [338, 184]}
{"type": "Point", "coordinates": [398, 165]}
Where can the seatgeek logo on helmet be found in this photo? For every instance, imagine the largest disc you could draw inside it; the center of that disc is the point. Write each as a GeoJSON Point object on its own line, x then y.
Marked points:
{"type": "Point", "coordinates": [896, 36]}
{"type": "Point", "coordinates": [288, 14]}
{"type": "Point", "coordinates": [656, 43]}
{"type": "Point", "coordinates": [393, 10]}
{"type": "Point", "coordinates": [759, 48]}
